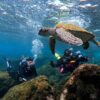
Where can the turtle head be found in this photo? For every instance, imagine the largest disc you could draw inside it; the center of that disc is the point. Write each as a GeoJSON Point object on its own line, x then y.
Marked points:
{"type": "Point", "coordinates": [46, 31]}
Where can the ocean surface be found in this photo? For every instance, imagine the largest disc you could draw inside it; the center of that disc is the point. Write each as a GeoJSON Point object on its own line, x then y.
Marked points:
{"type": "Point", "coordinates": [20, 21]}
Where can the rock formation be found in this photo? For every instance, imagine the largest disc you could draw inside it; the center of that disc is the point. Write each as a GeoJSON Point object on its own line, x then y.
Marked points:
{"type": "Point", "coordinates": [6, 82]}
{"type": "Point", "coordinates": [35, 89]}
{"type": "Point", "coordinates": [84, 84]}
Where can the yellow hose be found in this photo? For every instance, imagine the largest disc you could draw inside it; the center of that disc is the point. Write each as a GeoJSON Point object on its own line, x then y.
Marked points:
{"type": "Point", "coordinates": [57, 56]}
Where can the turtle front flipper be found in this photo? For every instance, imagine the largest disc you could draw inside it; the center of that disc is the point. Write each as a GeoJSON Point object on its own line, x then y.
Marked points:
{"type": "Point", "coordinates": [52, 43]}
{"type": "Point", "coordinates": [86, 45]}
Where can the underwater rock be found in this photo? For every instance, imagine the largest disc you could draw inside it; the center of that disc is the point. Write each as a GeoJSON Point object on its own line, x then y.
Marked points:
{"type": "Point", "coordinates": [34, 89]}
{"type": "Point", "coordinates": [83, 84]}
{"type": "Point", "coordinates": [5, 82]}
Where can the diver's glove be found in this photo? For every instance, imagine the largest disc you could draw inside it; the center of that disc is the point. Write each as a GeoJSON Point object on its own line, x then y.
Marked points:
{"type": "Point", "coordinates": [24, 79]}
{"type": "Point", "coordinates": [21, 79]}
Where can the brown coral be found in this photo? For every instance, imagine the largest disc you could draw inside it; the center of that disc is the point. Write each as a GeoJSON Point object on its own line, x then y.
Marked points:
{"type": "Point", "coordinates": [35, 89]}
{"type": "Point", "coordinates": [84, 84]}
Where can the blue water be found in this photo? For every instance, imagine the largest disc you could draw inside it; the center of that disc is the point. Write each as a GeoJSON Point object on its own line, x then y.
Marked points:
{"type": "Point", "coordinates": [20, 21]}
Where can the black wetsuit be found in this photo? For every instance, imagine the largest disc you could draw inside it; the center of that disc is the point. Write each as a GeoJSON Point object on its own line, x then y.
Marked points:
{"type": "Point", "coordinates": [27, 71]}
{"type": "Point", "coordinates": [24, 71]}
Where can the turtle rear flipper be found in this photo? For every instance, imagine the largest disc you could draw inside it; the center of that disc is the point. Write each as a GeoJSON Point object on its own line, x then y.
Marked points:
{"type": "Point", "coordinates": [95, 42]}
{"type": "Point", "coordinates": [86, 45]}
{"type": "Point", "coordinates": [99, 44]}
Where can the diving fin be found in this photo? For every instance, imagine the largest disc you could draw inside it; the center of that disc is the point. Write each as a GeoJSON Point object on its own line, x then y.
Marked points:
{"type": "Point", "coordinates": [52, 43]}
{"type": "Point", "coordinates": [86, 45]}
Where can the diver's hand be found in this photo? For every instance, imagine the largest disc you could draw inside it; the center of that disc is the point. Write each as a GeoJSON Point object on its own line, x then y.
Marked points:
{"type": "Point", "coordinates": [22, 79]}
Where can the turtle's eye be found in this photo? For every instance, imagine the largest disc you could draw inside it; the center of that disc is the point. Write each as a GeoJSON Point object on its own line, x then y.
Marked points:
{"type": "Point", "coordinates": [45, 30]}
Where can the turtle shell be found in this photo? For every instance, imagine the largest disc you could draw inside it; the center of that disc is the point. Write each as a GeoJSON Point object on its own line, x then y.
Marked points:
{"type": "Point", "coordinates": [77, 31]}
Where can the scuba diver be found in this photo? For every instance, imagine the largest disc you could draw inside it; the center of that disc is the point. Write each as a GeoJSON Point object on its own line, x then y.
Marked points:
{"type": "Point", "coordinates": [25, 71]}
{"type": "Point", "coordinates": [69, 61]}
{"type": "Point", "coordinates": [27, 68]}
{"type": "Point", "coordinates": [61, 60]}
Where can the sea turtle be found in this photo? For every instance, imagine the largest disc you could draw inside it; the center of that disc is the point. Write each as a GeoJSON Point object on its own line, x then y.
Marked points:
{"type": "Point", "coordinates": [68, 33]}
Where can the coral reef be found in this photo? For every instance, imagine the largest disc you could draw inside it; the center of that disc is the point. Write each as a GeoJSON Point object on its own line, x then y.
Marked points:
{"type": "Point", "coordinates": [84, 84]}
{"type": "Point", "coordinates": [35, 89]}
{"type": "Point", "coordinates": [5, 82]}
